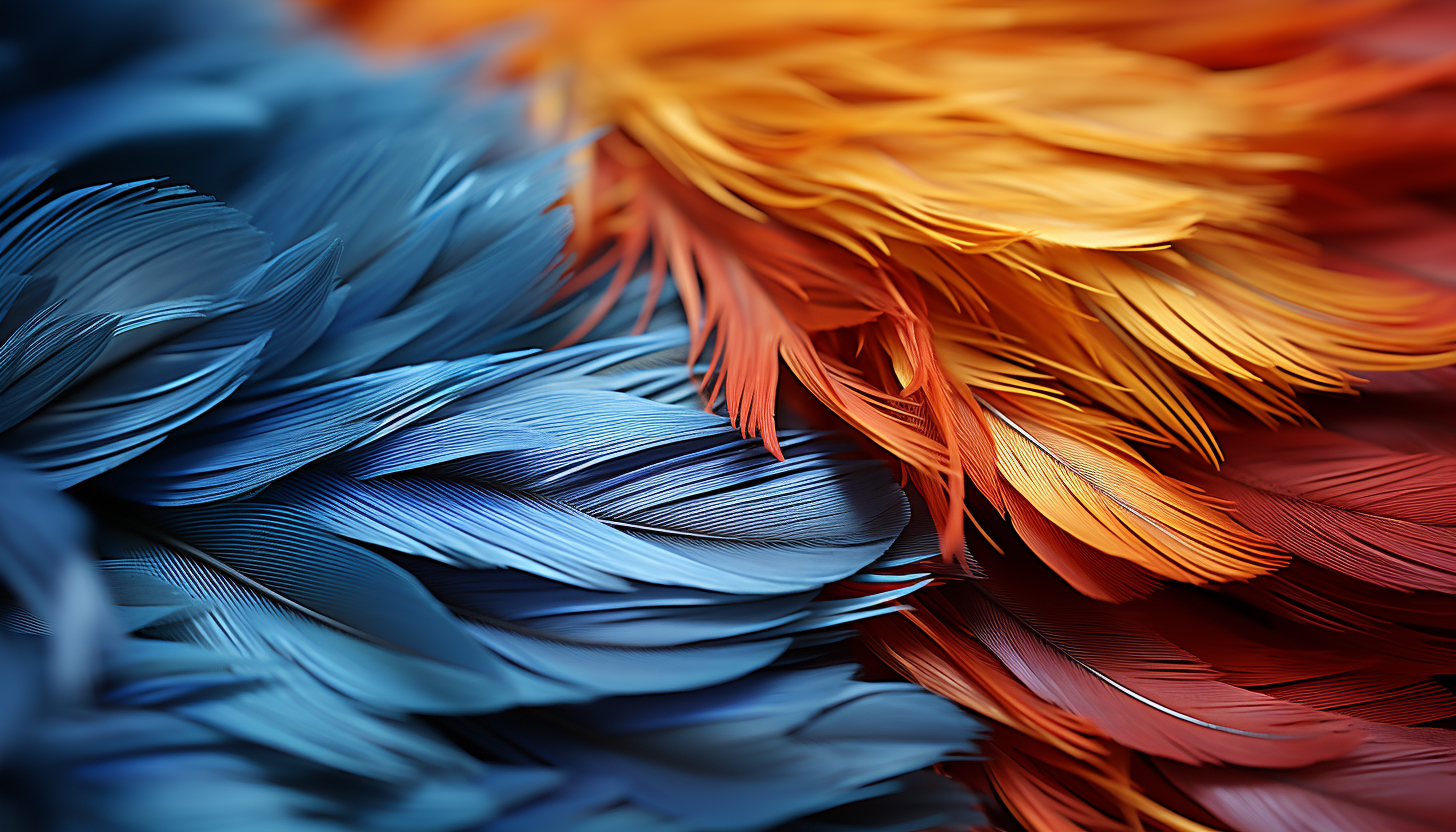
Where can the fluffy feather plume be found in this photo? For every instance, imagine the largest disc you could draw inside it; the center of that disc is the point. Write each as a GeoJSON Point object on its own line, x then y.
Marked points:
{"type": "Point", "coordinates": [366, 558]}
{"type": "Point", "coordinates": [1052, 249]}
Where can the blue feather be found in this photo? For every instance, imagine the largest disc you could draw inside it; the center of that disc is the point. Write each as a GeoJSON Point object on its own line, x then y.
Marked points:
{"type": "Point", "coordinates": [77, 123]}
{"type": "Point", "coordinates": [743, 755]}
{"type": "Point", "coordinates": [45, 570]}
{"type": "Point", "coordinates": [645, 615]}
{"type": "Point", "coordinates": [242, 447]}
{"type": "Point", "coordinates": [623, 486]}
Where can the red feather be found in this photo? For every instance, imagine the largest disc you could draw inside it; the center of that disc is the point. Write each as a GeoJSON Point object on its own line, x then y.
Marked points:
{"type": "Point", "coordinates": [1375, 514]}
{"type": "Point", "coordinates": [1045, 797]}
{"type": "Point", "coordinates": [924, 647]}
{"type": "Point", "coordinates": [1404, 628]}
{"type": "Point", "coordinates": [1337, 470]}
{"type": "Point", "coordinates": [1379, 697]}
{"type": "Point", "coordinates": [1098, 662]}
{"type": "Point", "coordinates": [1398, 780]}
{"type": "Point", "coordinates": [1245, 647]}
{"type": "Point", "coordinates": [1292, 662]}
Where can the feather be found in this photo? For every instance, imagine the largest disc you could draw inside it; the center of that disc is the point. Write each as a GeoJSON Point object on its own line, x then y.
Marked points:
{"type": "Point", "coordinates": [1371, 695]}
{"type": "Point", "coordinates": [119, 767]}
{"type": "Point", "coordinates": [1140, 689]}
{"type": "Point", "coordinates": [80, 122]}
{"type": "Point", "coordinates": [784, 726]}
{"type": "Point", "coordinates": [1113, 502]}
{"type": "Point", "coordinates": [1046, 799]}
{"type": "Point", "coordinates": [1086, 569]}
{"type": "Point", "coordinates": [947, 661]}
{"type": "Point", "coordinates": [1017, 245]}
{"type": "Point", "coordinates": [1397, 780]}
{"type": "Point", "coordinates": [1298, 664]}
{"type": "Point", "coordinates": [1412, 630]}
{"type": "Point", "coordinates": [166, 360]}
{"type": "Point", "coordinates": [1347, 505]}
{"type": "Point", "coordinates": [45, 574]}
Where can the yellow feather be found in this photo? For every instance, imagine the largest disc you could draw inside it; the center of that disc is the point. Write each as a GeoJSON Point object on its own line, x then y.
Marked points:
{"type": "Point", "coordinates": [1106, 496]}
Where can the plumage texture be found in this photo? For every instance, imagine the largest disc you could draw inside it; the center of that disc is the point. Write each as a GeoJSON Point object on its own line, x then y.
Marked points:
{"type": "Point", "coordinates": [1048, 255]}
{"type": "Point", "coordinates": [367, 558]}
{"type": "Point", "coordinates": [918, 148]}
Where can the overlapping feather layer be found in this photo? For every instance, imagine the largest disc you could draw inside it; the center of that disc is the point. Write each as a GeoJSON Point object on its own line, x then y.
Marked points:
{"type": "Point", "coordinates": [366, 559]}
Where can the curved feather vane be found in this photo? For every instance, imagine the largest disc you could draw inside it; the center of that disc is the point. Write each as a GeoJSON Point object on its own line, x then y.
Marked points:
{"type": "Point", "coordinates": [1127, 681]}
{"type": "Point", "coordinates": [1355, 507]}
{"type": "Point", "coordinates": [1133, 687]}
{"type": "Point", "coordinates": [377, 561]}
{"type": "Point", "coordinates": [600, 472]}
